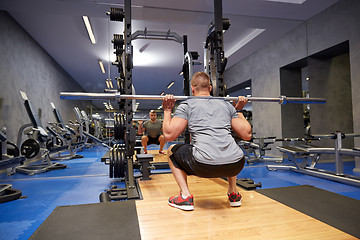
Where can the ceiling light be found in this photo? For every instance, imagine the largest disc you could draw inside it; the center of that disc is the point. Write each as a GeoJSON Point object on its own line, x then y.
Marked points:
{"type": "Point", "coordinates": [145, 59]}
{"type": "Point", "coordinates": [109, 83]}
{"type": "Point", "coordinates": [288, 1]}
{"type": "Point", "coordinates": [89, 29]}
{"type": "Point", "coordinates": [248, 88]}
{"type": "Point", "coordinates": [253, 34]}
{"type": "Point", "coordinates": [307, 79]}
{"type": "Point", "coordinates": [101, 66]}
{"type": "Point", "coordinates": [162, 93]}
{"type": "Point", "coordinates": [170, 84]}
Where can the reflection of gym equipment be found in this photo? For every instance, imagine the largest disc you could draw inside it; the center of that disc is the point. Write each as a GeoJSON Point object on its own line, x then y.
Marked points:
{"type": "Point", "coordinates": [9, 160]}
{"type": "Point", "coordinates": [34, 148]}
{"type": "Point", "coordinates": [255, 150]}
{"type": "Point", "coordinates": [310, 155]}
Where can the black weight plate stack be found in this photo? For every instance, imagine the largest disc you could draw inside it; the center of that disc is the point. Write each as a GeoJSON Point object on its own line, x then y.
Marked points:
{"type": "Point", "coordinates": [122, 162]}
{"type": "Point", "coordinates": [122, 126]}
{"type": "Point", "coordinates": [116, 127]}
{"type": "Point", "coordinates": [116, 14]}
{"type": "Point", "coordinates": [117, 162]}
{"type": "Point", "coordinates": [111, 170]}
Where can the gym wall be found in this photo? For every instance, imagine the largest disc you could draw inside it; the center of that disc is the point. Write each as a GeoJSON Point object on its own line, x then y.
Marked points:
{"type": "Point", "coordinates": [337, 24]}
{"type": "Point", "coordinates": [26, 66]}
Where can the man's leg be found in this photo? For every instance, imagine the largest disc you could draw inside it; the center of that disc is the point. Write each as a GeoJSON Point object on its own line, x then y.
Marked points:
{"type": "Point", "coordinates": [233, 195]}
{"type": "Point", "coordinates": [161, 140]}
{"type": "Point", "coordinates": [232, 184]}
{"type": "Point", "coordinates": [144, 141]}
{"type": "Point", "coordinates": [162, 143]}
{"type": "Point", "coordinates": [179, 175]}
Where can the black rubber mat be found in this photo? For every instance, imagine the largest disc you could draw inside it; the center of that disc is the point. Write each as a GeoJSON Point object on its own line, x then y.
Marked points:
{"type": "Point", "coordinates": [113, 220]}
{"type": "Point", "coordinates": [336, 210]}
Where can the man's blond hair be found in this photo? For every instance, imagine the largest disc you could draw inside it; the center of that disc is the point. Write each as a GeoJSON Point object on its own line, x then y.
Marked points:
{"type": "Point", "coordinates": [200, 81]}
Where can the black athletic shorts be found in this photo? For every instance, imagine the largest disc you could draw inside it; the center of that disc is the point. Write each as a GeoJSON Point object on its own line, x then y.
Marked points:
{"type": "Point", "coordinates": [153, 140]}
{"type": "Point", "coordinates": [183, 159]}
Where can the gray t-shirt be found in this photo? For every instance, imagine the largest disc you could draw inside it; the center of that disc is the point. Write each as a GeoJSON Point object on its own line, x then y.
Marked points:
{"type": "Point", "coordinates": [209, 122]}
{"type": "Point", "coordinates": [153, 129]}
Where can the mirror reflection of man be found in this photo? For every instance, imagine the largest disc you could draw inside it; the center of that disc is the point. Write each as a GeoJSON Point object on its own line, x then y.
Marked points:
{"type": "Point", "coordinates": [152, 132]}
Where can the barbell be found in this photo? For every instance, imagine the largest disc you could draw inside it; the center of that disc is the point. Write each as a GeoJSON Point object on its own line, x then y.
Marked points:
{"type": "Point", "coordinates": [117, 96]}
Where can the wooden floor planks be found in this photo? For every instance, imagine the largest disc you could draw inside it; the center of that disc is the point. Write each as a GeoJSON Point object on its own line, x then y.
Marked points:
{"type": "Point", "coordinates": [259, 217]}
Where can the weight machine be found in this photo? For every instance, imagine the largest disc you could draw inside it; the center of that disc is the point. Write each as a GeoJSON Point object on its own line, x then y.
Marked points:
{"type": "Point", "coordinates": [64, 134]}
{"type": "Point", "coordinates": [254, 150]}
{"type": "Point", "coordinates": [9, 160]}
{"type": "Point", "coordinates": [306, 157]}
{"type": "Point", "coordinates": [34, 148]}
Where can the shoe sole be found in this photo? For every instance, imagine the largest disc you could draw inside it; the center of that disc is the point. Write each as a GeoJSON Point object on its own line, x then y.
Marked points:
{"type": "Point", "coordinates": [235, 204]}
{"type": "Point", "coordinates": [185, 208]}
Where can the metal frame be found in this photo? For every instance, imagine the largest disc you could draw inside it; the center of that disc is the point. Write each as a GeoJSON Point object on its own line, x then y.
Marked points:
{"type": "Point", "coordinates": [311, 155]}
{"type": "Point", "coordinates": [157, 35]}
{"type": "Point", "coordinates": [214, 55]}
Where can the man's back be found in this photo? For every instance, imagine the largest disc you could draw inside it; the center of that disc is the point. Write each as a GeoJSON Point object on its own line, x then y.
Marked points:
{"type": "Point", "coordinates": [209, 122]}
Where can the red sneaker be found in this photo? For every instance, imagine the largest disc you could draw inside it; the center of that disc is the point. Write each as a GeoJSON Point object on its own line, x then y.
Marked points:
{"type": "Point", "coordinates": [161, 152]}
{"type": "Point", "coordinates": [235, 199]}
{"type": "Point", "coordinates": [186, 204]}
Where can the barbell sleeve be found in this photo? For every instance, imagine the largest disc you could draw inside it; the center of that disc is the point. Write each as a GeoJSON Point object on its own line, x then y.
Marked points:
{"type": "Point", "coordinates": [118, 97]}
{"type": "Point", "coordinates": [88, 96]}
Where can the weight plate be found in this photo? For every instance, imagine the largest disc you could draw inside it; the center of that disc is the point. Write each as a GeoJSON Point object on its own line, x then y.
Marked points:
{"type": "Point", "coordinates": [30, 148]}
{"type": "Point", "coordinates": [111, 168]}
{"type": "Point", "coordinates": [49, 144]}
{"type": "Point", "coordinates": [122, 163]}
{"type": "Point", "coordinates": [116, 167]}
{"type": "Point", "coordinates": [12, 149]}
{"type": "Point", "coordinates": [59, 141]}
{"type": "Point", "coordinates": [122, 127]}
{"type": "Point", "coordinates": [117, 126]}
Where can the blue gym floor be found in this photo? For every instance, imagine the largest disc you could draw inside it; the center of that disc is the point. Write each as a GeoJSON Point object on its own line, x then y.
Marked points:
{"type": "Point", "coordinates": [86, 178]}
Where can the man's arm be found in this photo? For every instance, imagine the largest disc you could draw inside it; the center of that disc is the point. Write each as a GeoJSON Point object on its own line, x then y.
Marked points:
{"type": "Point", "coordinates": [240, 125]}
{"type": "Point", "coordinates": [141, 128]}
{"type": "Point", "coordinates": [172, 127]}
